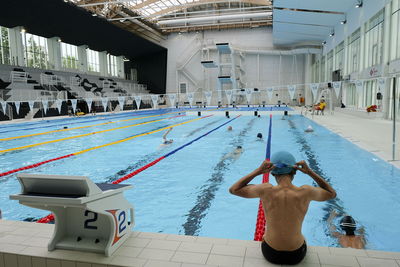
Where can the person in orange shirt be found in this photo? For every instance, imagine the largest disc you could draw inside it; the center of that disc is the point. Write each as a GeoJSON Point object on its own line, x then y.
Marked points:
{"type": "Point", "coordinates": [320, 106]}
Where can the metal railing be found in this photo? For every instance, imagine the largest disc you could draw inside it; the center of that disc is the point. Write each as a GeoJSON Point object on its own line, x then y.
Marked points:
{"type": "Point", "coordinates": [19, 77]}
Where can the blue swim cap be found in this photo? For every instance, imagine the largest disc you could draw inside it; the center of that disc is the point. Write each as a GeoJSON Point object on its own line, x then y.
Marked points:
{"type": "Point", "coordinates": [283, 158]}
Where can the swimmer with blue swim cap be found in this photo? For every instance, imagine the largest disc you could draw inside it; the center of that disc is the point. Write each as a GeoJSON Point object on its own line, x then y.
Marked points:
{"type": "Point", "coordinates": [285, 205]}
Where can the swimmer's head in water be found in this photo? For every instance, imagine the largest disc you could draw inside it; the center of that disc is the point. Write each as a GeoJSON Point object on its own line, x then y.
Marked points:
{"type": "Point", "coordinates": [239, 147]}
{"type": "Point", "coordinates": [259, 135]}
{"type": "Point", "coordinates": [230, 128]}
{"type": "Point", "coordinates": [348, 224]}
{"type": "Point", "coordinates": [171, 140]}
{"type": "Point", "coordinates": [309, 128]}
{"type": "Point", "coordinates": [282, 158]}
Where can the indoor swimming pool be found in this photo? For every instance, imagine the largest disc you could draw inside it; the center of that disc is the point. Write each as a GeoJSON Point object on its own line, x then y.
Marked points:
{"type": "Point", "coordinates": [187, 191]}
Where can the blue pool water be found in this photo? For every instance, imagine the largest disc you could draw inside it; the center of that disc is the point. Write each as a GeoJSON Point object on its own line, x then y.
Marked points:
{"type": "Point", "coordinates": [187, 192]}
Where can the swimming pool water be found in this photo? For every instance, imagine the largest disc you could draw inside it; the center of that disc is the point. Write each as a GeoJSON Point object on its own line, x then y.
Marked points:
{"type": "Point", "coordinates": [187, 193]}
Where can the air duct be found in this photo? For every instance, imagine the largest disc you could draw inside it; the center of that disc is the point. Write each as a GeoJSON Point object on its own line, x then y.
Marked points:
{"type": "Point", "coordinates": [184, 22]}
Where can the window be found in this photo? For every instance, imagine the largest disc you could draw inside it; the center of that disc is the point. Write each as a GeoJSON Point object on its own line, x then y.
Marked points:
{"type": "Point", "coordinates": [5, 57]}
{"type": "Point", "coordinates": [112, 65]}
{"type": "Point", "coordinates": [35, 51]}
{"type": "Point", "coordinates": [316, 72]}
{"type": "Point", "coordinates": [339, 49]}
{"type": "Point", "coordinates": [322, 79]}
{"type": "Point", "coordinates": [351, 95]}
{"type": "Point", "coordinates": [353, 51]}
{"type": "Point", "coordinates": [373, 40]}
{"type": "Point", "coordinates": [369, 92]}
{"type": "Point", "coordinates": [69, 56]}
{"type": "Point", "coordinates": [395, 31]}
{"type": "Point", "coordinates": [93, 60]}
{"type": "Point", "coordinates": [329, 65]}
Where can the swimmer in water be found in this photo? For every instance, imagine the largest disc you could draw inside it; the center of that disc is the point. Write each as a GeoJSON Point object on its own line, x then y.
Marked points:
{"type": "Point", "coordinates": [309, 129]}
{"type": "Point", "coordinates": [283, 117]}
{"type": "Point", "coordinates": [259, 138]}
{"type": "Point", "coordinates": [236, 153]}
{"type": "Point", "coordinates": [229, 128]}
{"type": "Point", "coordinates": [350, 239]}
{"type": "Point", "coordinates": [165, 141]}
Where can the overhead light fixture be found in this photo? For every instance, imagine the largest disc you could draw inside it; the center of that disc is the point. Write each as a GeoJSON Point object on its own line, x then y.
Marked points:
{"type": "Point", "coordinates": [332, 33]}
{"type": "Point", "coordinates": [343, 22]}
{"type": "Point", "coordinates": [122, 20]}
{"type": "Point", "coordinates": [59, 40]}
{"type": "Point", "coordinates": [179, 33]}
{"type": "Point", "coordinates": [94, 15]}
{"type": "Point", "coordinates": [23, 30]}
{"type": "Point", "coordinates": [359, 4]}
{"type": "Point", "coordinates": [324, 42]}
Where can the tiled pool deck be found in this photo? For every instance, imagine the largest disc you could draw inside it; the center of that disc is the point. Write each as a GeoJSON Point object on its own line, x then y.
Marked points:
{"type": "Point", "coordinates": [24, 244]}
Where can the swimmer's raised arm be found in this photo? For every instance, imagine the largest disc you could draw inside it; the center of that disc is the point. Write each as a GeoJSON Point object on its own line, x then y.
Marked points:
{"type": "Point", "coordinates": [165, 135]}
{"type": "Point", "coordinates": [321, 193]}
{"type": "Point", "coordinates": [242, 187]}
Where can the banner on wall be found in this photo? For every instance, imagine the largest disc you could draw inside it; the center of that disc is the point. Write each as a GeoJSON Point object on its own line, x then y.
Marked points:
{"type": "Point", "coordinates": [382, 83]}
{"type": "Point", "coordinates": [59, 104]}
{"type": "Point", "coordinates": [73, 102]}
{"type": "Point", "coordinates": [31, 103]}
{"type": "Point", "coordinates": [172, 99]}
{"type": "Point", "coordinates": [270, 91]}
{"type": "Point", "coordinates": [190, 97]}
{"type": "Point", "coordinates": [154, 98]}
{"type": "Point", "coordinates": [208, 97]}
{"type": "Point", "coordinates": [121, 101]}
{"type": "Point", "coordinates": [138, 99]}
{"type": "Point", "coordinates": [17, 105]}
{"type": "Point", "coordinates": [336, 86]}
{"type": "Point", "coordinates": [359, 86]}
{"type": "Point", "coordinates": [44, 103]}
{"type": "Point", "coordinates": [89, 104]}
{"type": "Point", "coordinates": [248, 95]}
{"type": "Point", "coordinates": [314, 90]}
{"type": "Point", "coordinates": [229, 94]}
{"type": "Point", "coordinates": [4, 105]}
{"type": "Point", "coordinates": [104, 101]}
{"type": "Point", "coordinates": [291, 89]}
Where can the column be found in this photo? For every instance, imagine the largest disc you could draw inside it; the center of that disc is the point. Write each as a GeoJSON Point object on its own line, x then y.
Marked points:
{"type": "Point", "coordinates": [54, 47]}
{"type": "Point", "coordinates": [16, 46]}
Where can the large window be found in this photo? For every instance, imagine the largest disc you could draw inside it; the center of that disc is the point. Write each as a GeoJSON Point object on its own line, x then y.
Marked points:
{"type": "Point", "coordinates": [369, 93]}
{"type": "Point", "coordinates": [351, 95]}
{"type": "Point", "coordinates": [112, 65]}
{"type": "Point", "coordinates": [329, 66]}
{"type": "Point", "coordinates": [395, 31]}
{"type": "Point", "coordinates": [322, 79]}
{"type": "Point", "coordinates": [373, 40]}
{"type": "Point", "coordinates": [93, 60]}
{"type": "Point", "coordinates": [353, 52]}
{"type": "Point", "coordinates": [339, 50]}
{"type": "Point", "coordinates": [316, 72]}
{"type": "Point", "coordinates": [69, 56]}
{"type": "Point", "coordinates": [4, 46]}
{"type": "Point", "coordinates": [35, 51]}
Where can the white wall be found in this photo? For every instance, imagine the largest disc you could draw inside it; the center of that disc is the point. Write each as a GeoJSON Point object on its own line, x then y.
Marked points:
{"type": "Point", "coordinates": [262, 69]}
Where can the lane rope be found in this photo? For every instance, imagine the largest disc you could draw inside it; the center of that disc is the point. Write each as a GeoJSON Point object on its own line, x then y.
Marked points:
{"type": "Point", "coordinates": [93, 148]}
{"type": "Point", "coordinates": [130, 175]}
{"type": "Point", "coordinates": [50, 217]}
{"type": "Point", "coordinates": [260, 225]}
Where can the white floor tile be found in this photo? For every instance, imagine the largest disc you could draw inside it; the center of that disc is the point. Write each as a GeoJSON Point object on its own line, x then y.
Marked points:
{"type": "Point", "coordinates": [368, 262]}
{"type": "Point", "coordinates": [349, 252]}
{"type": "Point", "coordinates": [156, 254]}
{"type": "Point", "coordinates": [137, 242]}
{"type": "Point", "coordinates": [10, 248]}
{"type": "Point", "coordinates": [95, 258]}
{"type": "Point", "coordinates": [182, 238]}
{"type": "Point", "coordinates": [228, 250]}
{"type": "Point", "coordinates": [195, 247]}
{"type": "Point", "coordinates": [338, 260]}
{"type": "Point", "coordinates": [126, 261]}
{"type": "Point", "coordinates": [383, 254]}
{"type": "Point", "coordinates": [222, 260]}
{"type": "Point", "coordinates": [24, 261]}
{"type": "Point", "coordinates": [154, 263]}
{"type": "Point", "coordinates": [210, 240]}
{"type": "Point", "coordinates": [152, 235]}
{"type": "Point", "coordinates": [65, 254]}
{"type": "Point", "coordinates": [13, 239]}
{"type": "Point", "coordinates": [53, 263]}
{"type": "Point", "coordinates": [190, 257]}
{"type": "Point", "coordinates": [36, 242]}
{"type": "Point", "coordinates": [163, 244]}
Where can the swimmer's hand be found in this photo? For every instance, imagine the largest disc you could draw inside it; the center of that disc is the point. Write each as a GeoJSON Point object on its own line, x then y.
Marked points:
{"type": "Point", "coordinates": [303, 167]}
{"type": "Point", "coordinates": [265, 167]}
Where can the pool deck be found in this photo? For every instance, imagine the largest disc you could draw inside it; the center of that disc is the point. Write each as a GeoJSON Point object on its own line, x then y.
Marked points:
{"type": "Point", "coordinates": [24, 244]}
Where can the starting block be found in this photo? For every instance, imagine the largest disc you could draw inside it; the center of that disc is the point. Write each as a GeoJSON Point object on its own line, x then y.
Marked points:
{"type": "Point", "coordinates": [88, 217]}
